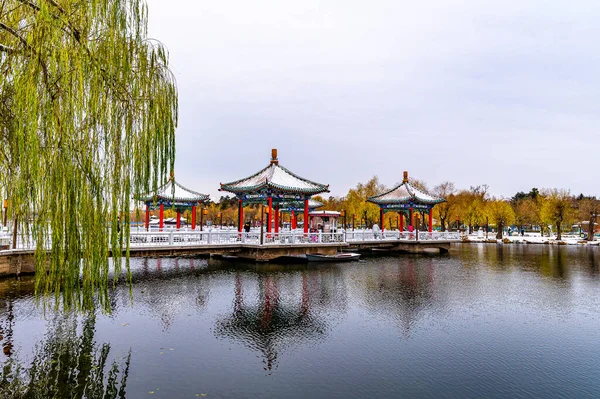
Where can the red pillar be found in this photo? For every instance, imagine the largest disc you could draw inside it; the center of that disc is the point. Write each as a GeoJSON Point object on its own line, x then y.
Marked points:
{"type": "Point", "coordinates": [270, 215]}
{"type": "Point", "coordinates": [194, 217]}
{"type": "Point", "coordinates": [240, 216]}
{"type": "Point", "coordinates": [401, 220]}
{"type": "Point", "coordinates": [147, 216]}
{"type": "Point", "coordinates": [162, 216]}
{"type": "Point", "coordinates": [411, 222]}
{"type": "Point", "coordinates": [178, 219]}
{"type": "Point", "coordinates": [293, 220]}
{"type": "Point", "coordinates": [381, 220]}
{"type": "Point", "coordinates": [430, 220]}
{"type": "Point", "coordinates": [305, 216]}
{"type": "Point", "coordinates": [276, 218]}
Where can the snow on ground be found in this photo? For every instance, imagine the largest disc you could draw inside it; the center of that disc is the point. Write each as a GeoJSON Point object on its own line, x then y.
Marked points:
{"type": "Point", "coordinates": [529, 238]}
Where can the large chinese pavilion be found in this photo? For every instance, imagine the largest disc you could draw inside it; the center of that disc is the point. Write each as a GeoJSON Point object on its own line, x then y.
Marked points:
{"type": "Point", "coordinates": [273, 186]}
{"type": "Point", "coordinates": [404, 199]}
{"type": "Point", "coordinates": [172, 195]}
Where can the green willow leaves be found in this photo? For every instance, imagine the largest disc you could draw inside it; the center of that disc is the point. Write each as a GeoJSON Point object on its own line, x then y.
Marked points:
{"type": "Point", "coordinates": [88, 110]}
{"type": "Point", "coordinates": [67, 364]}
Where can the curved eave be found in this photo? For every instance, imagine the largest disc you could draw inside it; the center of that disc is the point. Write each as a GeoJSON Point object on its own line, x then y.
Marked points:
{"type": "Point", "coordinates": [172, 199]}
{"type": "Point", "coordinates": [181, 199]}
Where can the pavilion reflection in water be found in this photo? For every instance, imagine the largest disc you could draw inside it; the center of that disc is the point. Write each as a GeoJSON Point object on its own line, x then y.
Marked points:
{"type": "Point", "coordinates": [280, 318]}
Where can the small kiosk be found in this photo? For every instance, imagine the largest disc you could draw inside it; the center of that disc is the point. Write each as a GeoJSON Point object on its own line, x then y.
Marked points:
{"type": "Point", "coordinates": [324, 221]}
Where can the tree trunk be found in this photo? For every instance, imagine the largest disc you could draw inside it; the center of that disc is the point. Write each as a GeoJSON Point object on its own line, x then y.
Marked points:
{"type": "Point", "coordinates": [15, 226]}
{"type": "Point", "coordinates": [590, 236]}
{"type": "Point", "coordinates": [500, 228]}
{"type": "Point", "coordinates": [558, 235]}
{"type": "Point", "coordinates": [443, 223]}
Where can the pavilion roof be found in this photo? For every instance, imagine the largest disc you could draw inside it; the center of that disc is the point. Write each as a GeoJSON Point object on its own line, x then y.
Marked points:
{"type": "Point", "coordinates": [174, 192]}
{"type": "Point", "coordinates": [275, 178]}
{"type": "Point", "coordinates": [405, 193]}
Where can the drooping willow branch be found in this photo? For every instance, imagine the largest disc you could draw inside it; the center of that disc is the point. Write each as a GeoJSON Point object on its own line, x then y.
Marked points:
{"type": "Point", "coordinates": [88, 118]}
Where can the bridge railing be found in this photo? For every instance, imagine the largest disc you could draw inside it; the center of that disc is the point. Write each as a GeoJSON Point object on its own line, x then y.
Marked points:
{"type": "Point", "coordinates": [299, 237]}
{"type": "Point", "coordinates": [395, 235]}
{"type": "Point", "coordinates": [191, 237]}
{"type": "Point", "coordinates": [172, 237]}
{"type": "Point", "coordinates": [438, 235]}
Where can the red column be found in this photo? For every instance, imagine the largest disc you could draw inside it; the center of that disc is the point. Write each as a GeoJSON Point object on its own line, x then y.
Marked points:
{"type": "Point", "coordinates": [194, 217]}
{"type": "Point", "coordinates": [381, 220]}
{"type": "Point", "coordinates": [401, 220]}
{"type": "Point", "coordinates": [411, 222]}
{"type": "Point", "coordinates": [276, 218]}
{"type": "Point", "coordinates": [178, 219]}
{"type": "Point", "coordinates": [305, 216]}
{"type": "Point", "coordinates": [162, 216]}
{"type": "Point", "coordinates": [293, 220]}
{"type": "Point", "coordinates": [270, 215]}
{"type": "Point", "coordinates": [147, 216]}
{"type": "Point", "coordinates": [240, 216]}
{"type": "Point", "coordinates": [430, 220]}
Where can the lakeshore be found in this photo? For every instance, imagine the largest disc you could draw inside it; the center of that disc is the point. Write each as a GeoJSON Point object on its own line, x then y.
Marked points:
{"type": "Point", "coordinates": [508, 319]}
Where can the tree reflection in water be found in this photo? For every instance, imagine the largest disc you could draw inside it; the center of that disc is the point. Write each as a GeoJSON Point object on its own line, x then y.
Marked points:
{"type": "Point", "coordinates": [66, 365]}
{"type": "Point", "coordinates": [403, 291]}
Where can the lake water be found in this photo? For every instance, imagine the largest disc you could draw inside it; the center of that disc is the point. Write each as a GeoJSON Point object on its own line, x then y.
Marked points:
{"type": "Point", "coordinates": [484, 321]}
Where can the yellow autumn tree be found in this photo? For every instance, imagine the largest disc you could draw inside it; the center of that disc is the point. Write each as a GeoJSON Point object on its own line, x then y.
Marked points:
{"type": "Point", "coordinates": [356, 201]}
{"type": "Point", "coordinates": [501, 213]}
{"type": "Point", "coordinates": [558, 209]}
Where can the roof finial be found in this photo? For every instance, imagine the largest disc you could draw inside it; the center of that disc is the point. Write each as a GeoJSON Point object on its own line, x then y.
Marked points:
{"type": "Point", "coordinates": [274, 159]}
{"type": "Point", "coordinates": [405, 180]}
{"type": "Point", "coordinates": [172, 177]}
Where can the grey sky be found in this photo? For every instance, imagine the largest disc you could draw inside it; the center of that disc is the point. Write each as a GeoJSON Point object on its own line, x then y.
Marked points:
{"type": "Point", "coordinates": [504, 93]}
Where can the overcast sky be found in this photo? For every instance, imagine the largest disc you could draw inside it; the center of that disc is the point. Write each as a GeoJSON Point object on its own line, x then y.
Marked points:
{"type": "Point", "coordinates": [497, 92]}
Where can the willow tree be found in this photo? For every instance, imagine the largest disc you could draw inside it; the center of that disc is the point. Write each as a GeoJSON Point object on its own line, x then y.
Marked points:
{"type": "Point", "coordinates": [356, 201]}
{"type": "Point", "coordinates": [88, 110]}
{"type": "Point", "coordinates": [501, 213]}
{"type": "Point", "coordinates": [558, 209]}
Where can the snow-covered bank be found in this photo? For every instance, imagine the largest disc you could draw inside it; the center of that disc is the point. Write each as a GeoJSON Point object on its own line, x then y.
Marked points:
{"type": "Point", "coordinates": [529, 238]}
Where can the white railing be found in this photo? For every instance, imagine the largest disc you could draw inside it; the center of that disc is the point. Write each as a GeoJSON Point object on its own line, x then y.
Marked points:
{"type": "Point", "coordinates": [185, 237]}
{"type": "Point", "coordinates": [438, 235]}
{"type": "Point", "coordinates": [394, 235]}
{"type": "Point", "coordinates": [299, 237]}
{"type": "Point", "coordinates": [190, 237]}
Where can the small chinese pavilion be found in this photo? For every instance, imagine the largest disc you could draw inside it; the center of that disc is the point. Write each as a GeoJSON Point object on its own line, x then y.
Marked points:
{"type": "Point", "coordinates": [406, 199]}
{"type": "Point", "coordinates": [172, 195]}
{"type": "Point", "coordinates": [295, 207]}
{"type": "Point", "coordinates": [273, 186]}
